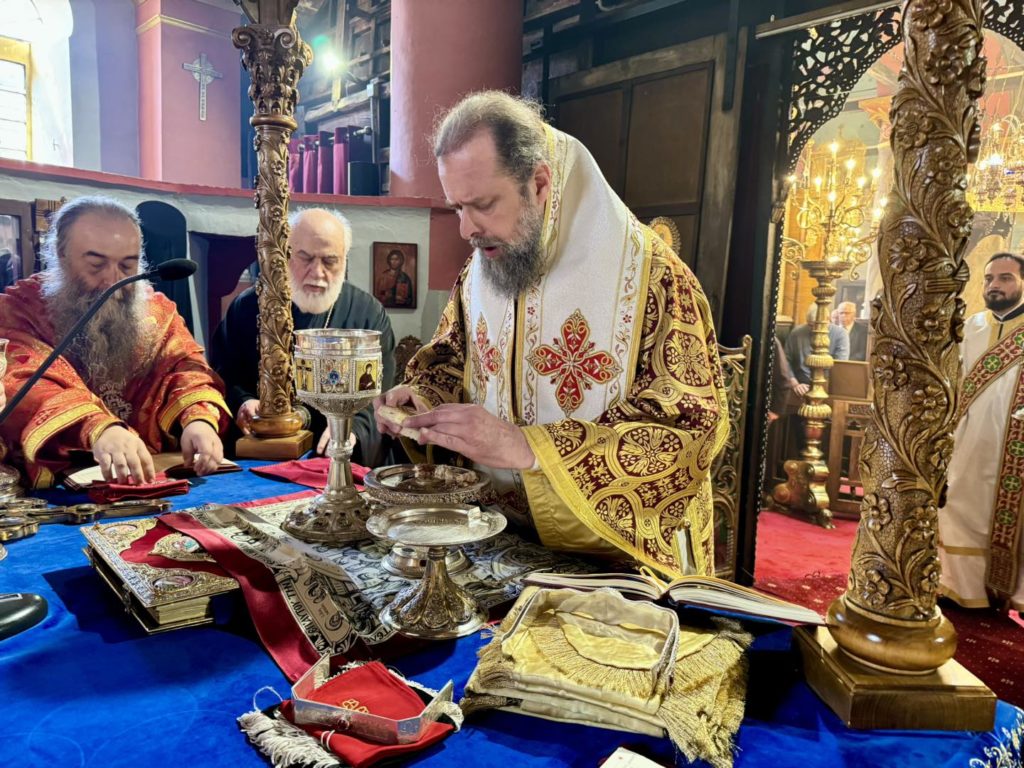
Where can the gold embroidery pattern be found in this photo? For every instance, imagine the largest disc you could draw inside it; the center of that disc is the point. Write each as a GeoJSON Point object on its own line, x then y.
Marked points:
{"type": "Point", "coordinates": [436, 371]}
{"type": "Point", "coordinates": [1007, 752]}
{"type": "Point", "coordinates": [353, 705]}
{"type": "Point", "coordinates": [635, 482]}
{"type": "Point", "coordinates": [573, 363]}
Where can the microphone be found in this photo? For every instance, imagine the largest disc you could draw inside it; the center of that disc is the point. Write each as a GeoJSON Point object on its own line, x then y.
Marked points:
{"type": "Point", "coordinates": [173, 269]}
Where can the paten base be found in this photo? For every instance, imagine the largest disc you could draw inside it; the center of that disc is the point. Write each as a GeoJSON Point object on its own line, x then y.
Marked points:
{"type": "Point", "coordinates": [949, 699]}
{"type": "Point", "coordinates": [470, 625]}
{"type": "Point", "coordinates": [329, 521]}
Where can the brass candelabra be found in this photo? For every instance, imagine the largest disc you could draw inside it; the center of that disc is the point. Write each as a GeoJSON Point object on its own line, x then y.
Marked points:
{"type": "Point", "coordinates": [834, 221]}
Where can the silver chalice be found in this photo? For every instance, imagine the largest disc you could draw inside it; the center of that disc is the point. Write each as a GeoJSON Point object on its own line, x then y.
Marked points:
{"type": "Point", "coordinates": [338, 372]}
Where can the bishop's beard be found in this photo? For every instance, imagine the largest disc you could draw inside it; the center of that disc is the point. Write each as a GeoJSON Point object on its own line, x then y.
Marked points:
{"type": "Point", "coordinates": [521, 262]}
{"type": "Point", "coordinates": [317, 303]}
{"type": "Point", "coordinates": [107, 352]}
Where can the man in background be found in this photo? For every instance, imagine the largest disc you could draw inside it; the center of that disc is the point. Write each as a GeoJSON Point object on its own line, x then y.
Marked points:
{"type": "Point", "coordinates": [798, 345]}
{"type": "Point", "coordinates": [980, 525]}
{"type": "Point", "coordinates": [321, 298]}
{"type": "Point", "coordinates": [134, 382]}
{"type": "Point", "coordinates": [857, 332]}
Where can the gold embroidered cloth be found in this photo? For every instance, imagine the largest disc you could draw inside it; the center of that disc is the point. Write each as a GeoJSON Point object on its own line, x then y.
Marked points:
{"type": "Point", "coordinates": [610, 363]}
{"type": "Point", "coordinates": [598, 659]}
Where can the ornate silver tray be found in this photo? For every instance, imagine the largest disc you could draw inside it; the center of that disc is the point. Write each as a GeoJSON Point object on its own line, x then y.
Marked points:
{"type": "Point", "coordinates": [423, 484]}
{"type": "Point", "coordinates": [436, 526]}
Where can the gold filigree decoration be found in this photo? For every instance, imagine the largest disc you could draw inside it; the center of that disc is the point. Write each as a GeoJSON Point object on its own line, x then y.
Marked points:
{"type": "Point", "coordinates": [178, 546]}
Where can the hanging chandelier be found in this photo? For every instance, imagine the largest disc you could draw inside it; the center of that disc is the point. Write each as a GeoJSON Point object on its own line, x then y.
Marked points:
{"type": "Point", "coordinates": [832, 213]}
{"type": "Point", "coordinates": [996, 183]}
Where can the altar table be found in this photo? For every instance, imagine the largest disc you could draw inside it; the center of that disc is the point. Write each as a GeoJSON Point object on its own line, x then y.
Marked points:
{"type": "Point", "coordinates": [87, 687]}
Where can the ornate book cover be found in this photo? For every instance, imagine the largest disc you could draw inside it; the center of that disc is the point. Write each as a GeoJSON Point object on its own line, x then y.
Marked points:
{"type": "Point", "coordinates": [164, 578]}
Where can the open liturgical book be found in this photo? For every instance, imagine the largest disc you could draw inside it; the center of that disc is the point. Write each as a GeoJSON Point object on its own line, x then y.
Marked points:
{"type": "Point", "coordinates": [707, 593]}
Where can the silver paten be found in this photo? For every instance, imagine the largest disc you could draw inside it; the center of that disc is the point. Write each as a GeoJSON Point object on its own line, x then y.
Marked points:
{"type": "Point", "coordinates": [423, 485]}
{"type": "Point", "coordinates": [435, 607]}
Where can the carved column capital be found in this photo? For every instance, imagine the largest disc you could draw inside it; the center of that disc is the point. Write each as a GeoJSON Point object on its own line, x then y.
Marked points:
{"type": "Point", "coordinates": [275, 58]}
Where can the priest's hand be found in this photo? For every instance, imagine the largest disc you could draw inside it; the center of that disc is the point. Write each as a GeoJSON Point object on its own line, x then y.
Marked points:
{"type": "Point", "coordinates": [397, 397]}
{"type": "Point", "coordinates": [476, 433]}
{"type": "Point", "coordinates": [123, 457]}
{"type": "Point", "coordinates": [201, 447]}
{"type": "Point", "coordinates": [247, 411]}
{"type": "Point", "coordinates": [325, 438]}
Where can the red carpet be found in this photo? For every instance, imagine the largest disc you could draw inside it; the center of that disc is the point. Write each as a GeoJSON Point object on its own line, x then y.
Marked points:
{"type": "Point", "coordinates": [808, 565]}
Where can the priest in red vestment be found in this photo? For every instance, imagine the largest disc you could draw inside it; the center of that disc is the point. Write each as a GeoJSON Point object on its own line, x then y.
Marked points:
{"type": "Point", "coordinates": [133, 383]}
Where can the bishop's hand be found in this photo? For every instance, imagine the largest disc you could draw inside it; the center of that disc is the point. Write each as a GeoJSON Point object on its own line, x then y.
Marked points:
{"type": "Point", "coordinates": [122, 456]}
{"type": "Point", "coordinates": [396, 397]}
{"type": "Point", "coordinates": [201, 447]}
{"type": "Point", "coordinates": [476, 433]}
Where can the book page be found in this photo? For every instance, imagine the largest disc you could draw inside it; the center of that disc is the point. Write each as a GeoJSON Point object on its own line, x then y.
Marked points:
{"type": "Point", "coordinates": [711, 592]}
{"type": "Point", "coordinates": [624, 582]}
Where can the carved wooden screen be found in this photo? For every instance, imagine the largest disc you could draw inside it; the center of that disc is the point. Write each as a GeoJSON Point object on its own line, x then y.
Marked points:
{"type": "Point", "coordinates": [725, 473]}
{"type": "Point", "coordinates": [828, 60]}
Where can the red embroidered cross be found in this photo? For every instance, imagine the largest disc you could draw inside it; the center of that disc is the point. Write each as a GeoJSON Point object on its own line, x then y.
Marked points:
{"type": "Point", "coordinates": [490, 355]}
{"type": "Point", "coordinates": [572, 363]}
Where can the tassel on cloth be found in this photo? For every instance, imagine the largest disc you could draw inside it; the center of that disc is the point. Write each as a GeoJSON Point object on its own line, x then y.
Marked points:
{"type": "Point", "coordinates": [285, 744]}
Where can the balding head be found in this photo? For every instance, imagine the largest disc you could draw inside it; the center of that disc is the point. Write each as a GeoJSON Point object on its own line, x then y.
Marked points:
{"type": "Point", "coordinates": [320, 242]}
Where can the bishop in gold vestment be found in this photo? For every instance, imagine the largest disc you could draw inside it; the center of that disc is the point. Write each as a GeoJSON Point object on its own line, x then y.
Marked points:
{"type": "Point", "coordinates": [579, 348]}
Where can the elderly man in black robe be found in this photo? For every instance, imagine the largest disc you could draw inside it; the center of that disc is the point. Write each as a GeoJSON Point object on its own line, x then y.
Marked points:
{"type": "Point", "coordinates": [321, 298]}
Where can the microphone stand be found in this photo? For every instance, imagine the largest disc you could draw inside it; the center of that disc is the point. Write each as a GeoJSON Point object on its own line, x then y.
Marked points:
{"type": "Point", "coordinates": [20, 611]}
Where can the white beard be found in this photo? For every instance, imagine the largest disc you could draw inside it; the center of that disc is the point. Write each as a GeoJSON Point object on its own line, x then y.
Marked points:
{"type": "Point", "coordinates": [317, 303]}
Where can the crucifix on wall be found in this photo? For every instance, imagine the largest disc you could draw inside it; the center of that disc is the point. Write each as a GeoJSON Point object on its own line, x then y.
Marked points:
{"type": "Point", "coordinates": [204, 72]}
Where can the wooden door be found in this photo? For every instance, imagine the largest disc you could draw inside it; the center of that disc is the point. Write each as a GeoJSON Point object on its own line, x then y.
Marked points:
{"type": "Point", "coordinates": [655, 125]}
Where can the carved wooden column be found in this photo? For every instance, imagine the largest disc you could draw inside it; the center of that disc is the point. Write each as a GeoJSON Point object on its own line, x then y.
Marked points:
{"type": "Point", "coordinates": [888, 619]}
{"type": "Point", "coordinates": [275, 58]}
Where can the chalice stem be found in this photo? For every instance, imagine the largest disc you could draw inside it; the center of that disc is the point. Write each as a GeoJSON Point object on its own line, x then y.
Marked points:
{"type": "Point", "coordinates": [339, 450]}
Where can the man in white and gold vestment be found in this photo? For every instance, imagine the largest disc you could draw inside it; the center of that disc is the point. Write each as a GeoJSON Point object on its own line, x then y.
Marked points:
{"type": "Point", "coordinates": [979, 527]}
{"type": "Point", "coordinates": [576, 359]}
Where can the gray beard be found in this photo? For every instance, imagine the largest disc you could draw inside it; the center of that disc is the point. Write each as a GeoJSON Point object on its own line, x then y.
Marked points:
{"type": "Point", "coordinates": [106, 353]}
{"type": "Point", "coordinates": [313, 304]}
{"type": "Point", "coordinates": [521, 263]}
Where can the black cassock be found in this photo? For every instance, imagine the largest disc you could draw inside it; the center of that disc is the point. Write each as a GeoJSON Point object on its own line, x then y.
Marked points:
{"type": "Point", "coordinates": [235, 356]}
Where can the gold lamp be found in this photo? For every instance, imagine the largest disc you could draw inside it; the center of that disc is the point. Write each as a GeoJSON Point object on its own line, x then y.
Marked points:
{"type": "Point", "coordinates": [833, 222]}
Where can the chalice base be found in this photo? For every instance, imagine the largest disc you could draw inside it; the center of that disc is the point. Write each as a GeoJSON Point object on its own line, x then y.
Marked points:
{"type": "Point", "coordinates": [411, 562]}
{"type": "Point", "coordinates": [336, 521]}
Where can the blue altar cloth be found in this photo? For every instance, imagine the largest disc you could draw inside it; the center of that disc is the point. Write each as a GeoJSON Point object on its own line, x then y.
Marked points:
{"type": "Point", "coordinates": [87, 687]}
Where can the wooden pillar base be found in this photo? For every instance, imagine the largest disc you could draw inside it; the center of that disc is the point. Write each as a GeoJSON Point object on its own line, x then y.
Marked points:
{"type": "Point", "coordinates": [291, 447]}
{"type": "Point", "coordinates": [948, 699]}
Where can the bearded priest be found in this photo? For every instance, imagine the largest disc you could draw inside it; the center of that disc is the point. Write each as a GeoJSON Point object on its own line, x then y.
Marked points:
{"type": "Point", "coordinates": [321, 298]}
{"type": "Point", "coordinates": [576, 360]}
{"type": "Point", "coordinates": [980, 543]}
{"type": "Point", "coordinates": [133, 383]}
